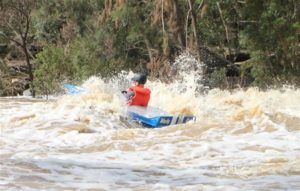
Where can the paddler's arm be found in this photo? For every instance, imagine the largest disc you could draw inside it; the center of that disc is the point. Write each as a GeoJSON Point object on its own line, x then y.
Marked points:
{"type": "Point", "coordinates": [128, 94]}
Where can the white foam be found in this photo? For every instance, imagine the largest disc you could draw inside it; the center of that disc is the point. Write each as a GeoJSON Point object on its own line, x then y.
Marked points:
{"type": "Point", "coordinates": [242, 140]}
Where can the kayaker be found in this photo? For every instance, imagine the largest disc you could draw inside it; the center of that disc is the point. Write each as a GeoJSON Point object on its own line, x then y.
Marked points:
{"type": "Point", "coordinates": [137, 94]}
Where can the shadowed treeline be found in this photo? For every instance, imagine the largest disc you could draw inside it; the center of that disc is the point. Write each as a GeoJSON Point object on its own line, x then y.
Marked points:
{"type": "Point", "coordinates": [240, 43]}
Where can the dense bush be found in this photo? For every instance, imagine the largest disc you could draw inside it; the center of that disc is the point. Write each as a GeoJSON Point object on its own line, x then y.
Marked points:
{"type": "Point", "coordinates": [99, 37]}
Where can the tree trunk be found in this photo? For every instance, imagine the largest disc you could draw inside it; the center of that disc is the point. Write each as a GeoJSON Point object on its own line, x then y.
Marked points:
{"type": "Point", "coordinates": [194, 27]}
{"type": "Point", "coordinates": [179, 24]}
{"type": "Point", "coordinates": [30, 71]}
{"type": "Point", "coordinates": [226, 29]}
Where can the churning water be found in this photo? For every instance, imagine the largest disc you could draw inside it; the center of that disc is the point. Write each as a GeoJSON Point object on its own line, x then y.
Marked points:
{"type": "Point", "coordinates": [241, 140]}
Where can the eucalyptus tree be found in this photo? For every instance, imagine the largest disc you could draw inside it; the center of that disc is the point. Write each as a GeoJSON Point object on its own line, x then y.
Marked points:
{"type": "Point", "coordinates": [16, 26]}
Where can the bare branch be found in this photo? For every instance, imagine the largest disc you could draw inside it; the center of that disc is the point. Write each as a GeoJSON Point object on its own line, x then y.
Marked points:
{"type": "Point", "coordinates": [11, 39]}
{"type": "Point", "coordinates": [201, 5]}
{"type": "Point", "coordinates": [162, 16]}
{"type": "Point", "coordinates": [17, 20]}
{"type": "Point", "coordinates": [186, 25]}
{"type": "Point", "coordinates": [225, 27]}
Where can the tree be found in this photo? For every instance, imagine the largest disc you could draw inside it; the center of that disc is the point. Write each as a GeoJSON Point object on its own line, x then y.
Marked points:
{"type": "Point", "coordinates": [16, 25]}
{"type": "Point", "coordinates": [273, 38]}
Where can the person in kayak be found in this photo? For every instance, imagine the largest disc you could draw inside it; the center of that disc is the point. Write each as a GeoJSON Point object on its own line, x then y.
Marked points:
{"type": "Point", "coordinates": [137, 94]}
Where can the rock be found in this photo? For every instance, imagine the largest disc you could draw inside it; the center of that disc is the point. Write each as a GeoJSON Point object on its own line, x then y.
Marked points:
{"type": "Point", "coordinates": [12, 71]}
{"type": "Point", "coordinates": [15, 80]}
{"type": "Point", "coordinates": [238, 57]}
{"type": "Point", "coordinates": [212, 60]}
{"type": "Point", "coordinates": [27, 92]}
{"type": "Point", "coordinates": [21, 68]}
{"type": "Point", "coordinates": [35, 49]}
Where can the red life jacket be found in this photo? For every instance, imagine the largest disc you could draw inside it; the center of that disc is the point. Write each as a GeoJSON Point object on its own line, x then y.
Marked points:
{"type": "Point", "coordinates": [141, 95]}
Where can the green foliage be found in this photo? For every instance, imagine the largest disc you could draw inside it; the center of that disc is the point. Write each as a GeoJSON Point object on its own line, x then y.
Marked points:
{"type": "Point", "coordinates": [3, 67]}
{"type": "Point", "coordinates": [213, 29]}
{"type": "Point", "coordinates": [3, 72]}
{"type": "Point", "coordinates": [48, 29]}
{"type": "Point", "coordinates": [97, 37]}
{"type": "Point", "coordinates": [218, 78]}
{"type": "Point", "coordinates": [273, 39]}
{"type": "Point", "coordinates": [51, 17]}
{"type": "Point", "coordinates": [57, 64]}
{"type": "Point", "coordinates": [79, 60]}
{"type": "Point", "coordinates": [51, 66]}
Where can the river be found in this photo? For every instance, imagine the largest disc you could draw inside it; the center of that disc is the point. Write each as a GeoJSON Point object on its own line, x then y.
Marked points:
{"type": "Point", "coordinates": [241, 140]}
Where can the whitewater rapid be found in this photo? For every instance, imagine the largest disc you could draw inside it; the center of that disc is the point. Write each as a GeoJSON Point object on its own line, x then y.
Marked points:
{"type": "Point", "coordinates": [241, 140]}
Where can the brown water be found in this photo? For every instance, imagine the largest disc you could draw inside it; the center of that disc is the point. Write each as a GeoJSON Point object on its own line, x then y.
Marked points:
{"type": "Point", "coordinates": [242, 140]}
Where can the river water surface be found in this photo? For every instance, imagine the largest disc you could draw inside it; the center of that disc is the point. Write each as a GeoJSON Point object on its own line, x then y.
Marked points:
{"type": "Point", "coordinates": [241, 140]}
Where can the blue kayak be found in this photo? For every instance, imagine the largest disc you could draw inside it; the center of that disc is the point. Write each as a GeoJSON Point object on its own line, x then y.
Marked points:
{"type": "Point", "coordinates": [155, 118]}
{"type": "Point", "coordinates": [72, 89]}
{"type": "Point", "coordinates": [147, 116]}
